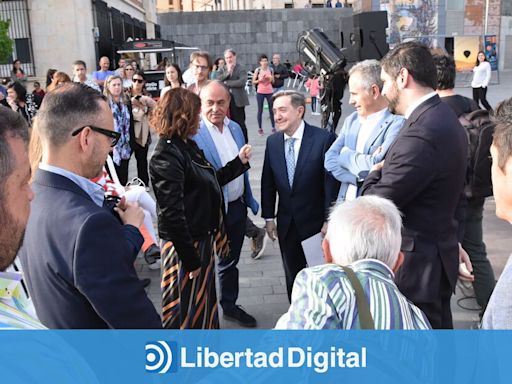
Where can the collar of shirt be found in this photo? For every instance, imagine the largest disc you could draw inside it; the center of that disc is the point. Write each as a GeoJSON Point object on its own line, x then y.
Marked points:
{"type": "Point", "coordinates": [94, 190]}
{"type": "Point", "coordinates": [374, 117]}
{"type": "Point", "coordinates": [212, 126]}
{"type": "Point", "coordinates": [373, 264]}
{"type": "Point", "coordinates": [298, 133]}
{"type": "Point", "coordinates": [415, 105]}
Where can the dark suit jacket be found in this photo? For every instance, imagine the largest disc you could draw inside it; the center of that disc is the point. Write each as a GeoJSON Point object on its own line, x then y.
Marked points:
{"type": "Point", "coordinates": [313, 191]}
{"type": "Point", "coordinates": [236, 84]}
{"type": "Point", "coordinates": [423, 175]}
{"type": "Point", "coordinates": [78, 261]}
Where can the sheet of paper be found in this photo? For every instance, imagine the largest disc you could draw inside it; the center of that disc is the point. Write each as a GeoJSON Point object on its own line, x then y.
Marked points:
{"type": "Point", "coordinates": [313, 250]}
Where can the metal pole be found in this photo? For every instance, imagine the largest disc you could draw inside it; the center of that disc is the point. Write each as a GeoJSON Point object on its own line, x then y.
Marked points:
{"type": "Point", "coordinates": [486, 15]}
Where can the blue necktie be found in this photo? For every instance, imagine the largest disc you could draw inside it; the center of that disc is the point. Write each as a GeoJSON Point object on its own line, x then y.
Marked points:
{"type": "Point", "coordinates": [290, 159]}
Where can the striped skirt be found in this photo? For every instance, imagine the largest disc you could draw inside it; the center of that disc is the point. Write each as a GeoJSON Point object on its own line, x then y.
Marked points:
{"type": "Point", "coordinates": [189, 304]}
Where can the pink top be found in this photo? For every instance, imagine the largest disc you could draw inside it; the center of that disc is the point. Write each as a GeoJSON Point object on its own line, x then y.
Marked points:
{"type": "Point", "coordinates": [313, 86]}
{"type": "Point", "coordinates": [264, 84]}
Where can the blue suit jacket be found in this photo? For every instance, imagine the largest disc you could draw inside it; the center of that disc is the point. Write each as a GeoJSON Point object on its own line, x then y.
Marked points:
{"type": "Point", "coordinates": [204, 141]}
{"type": "Point", "coordinates": [78, 261]}
{"type": "Point", "coordinates": [351, 166]}
{"type": "Point", "coordinates": [309, 199]}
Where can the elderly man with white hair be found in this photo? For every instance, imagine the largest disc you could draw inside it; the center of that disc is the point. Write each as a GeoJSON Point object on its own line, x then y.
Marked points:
{"type": "Point", "coordinates": [363, 235]}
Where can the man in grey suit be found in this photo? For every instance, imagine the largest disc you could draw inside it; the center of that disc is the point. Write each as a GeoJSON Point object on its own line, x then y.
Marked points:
{"type": "Point", "coordinates": [366, 134]}
{"type": "Point", "coordinates": [235, 77]}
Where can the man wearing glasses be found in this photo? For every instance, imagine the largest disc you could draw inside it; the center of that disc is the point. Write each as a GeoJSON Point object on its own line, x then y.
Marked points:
{"type": "Point", "coordinates": [78, 257]}
{"type": "Point", "coordinates": [200, 64]}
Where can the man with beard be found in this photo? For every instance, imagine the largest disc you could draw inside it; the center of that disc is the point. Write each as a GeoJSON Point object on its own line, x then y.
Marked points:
{"type": "Point", "coordinates": [423, 174]}
{"type": "Point", "coordinates": [15, 196]}
{"type": "Point", "coordinates": [77, 256]}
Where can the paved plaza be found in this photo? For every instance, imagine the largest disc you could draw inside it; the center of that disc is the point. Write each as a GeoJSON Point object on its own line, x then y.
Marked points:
{"type": "Point", "coordinates": [262, 283]}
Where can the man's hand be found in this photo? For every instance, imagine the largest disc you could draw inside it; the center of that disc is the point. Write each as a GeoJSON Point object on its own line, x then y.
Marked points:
{"type": "Point", "coordinates": [130, 213]}
{"type": "Point", "coordinates": [270, 227]}
{"type": "Point", "coordinates": [245, 153]}
{"type": "Point", "coordinates": [377, 167]}
{"type": "Point", "coordinates": [465, 267]}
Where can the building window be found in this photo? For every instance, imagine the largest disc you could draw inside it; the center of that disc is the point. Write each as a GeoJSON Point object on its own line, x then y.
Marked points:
{"type": "Point", "coordinates": [288, 5]}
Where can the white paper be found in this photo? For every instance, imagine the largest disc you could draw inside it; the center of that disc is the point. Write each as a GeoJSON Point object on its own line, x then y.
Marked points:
{"type": "Point", "coordinates": [313, 250]}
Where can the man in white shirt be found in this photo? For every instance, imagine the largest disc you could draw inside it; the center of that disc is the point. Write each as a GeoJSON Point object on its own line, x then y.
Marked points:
{"type": "Point", "coordinates": [80, 75]}
{"type": "Point", "coordinates": [221, 140]}
{"type": "Point", "coordinates": [423, 174]}
{"type": "Point", "coordinates": [366, 134]}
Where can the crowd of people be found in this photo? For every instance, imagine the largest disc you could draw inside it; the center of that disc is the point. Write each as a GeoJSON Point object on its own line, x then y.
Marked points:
{"type": "Point", "coordinates": [392, 196]}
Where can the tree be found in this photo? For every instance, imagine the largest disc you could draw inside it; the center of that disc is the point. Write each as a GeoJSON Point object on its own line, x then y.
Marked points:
{"type": "Point", "coordinates": [6, 42]}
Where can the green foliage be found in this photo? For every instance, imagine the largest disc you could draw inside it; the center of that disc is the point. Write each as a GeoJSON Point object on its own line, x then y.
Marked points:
{"type": "Point", "coordinates": [6, 42]}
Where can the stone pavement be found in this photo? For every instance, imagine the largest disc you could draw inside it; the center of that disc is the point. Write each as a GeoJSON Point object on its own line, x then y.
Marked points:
{"type": "Point", "coordinates": [262, 284]}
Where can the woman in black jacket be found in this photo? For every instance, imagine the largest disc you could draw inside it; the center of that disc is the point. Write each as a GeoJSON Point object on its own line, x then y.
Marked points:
{"type": "Point", "coordinates": [190, 212]}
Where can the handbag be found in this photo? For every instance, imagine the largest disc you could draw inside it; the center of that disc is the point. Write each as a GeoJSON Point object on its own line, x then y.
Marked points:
{"type": "Point", "coordinates": [365, 316]}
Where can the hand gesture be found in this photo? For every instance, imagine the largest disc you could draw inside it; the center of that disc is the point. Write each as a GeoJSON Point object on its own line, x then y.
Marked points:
{"type": "Point", "coordinates": [130, 213]}
{"type": "Point", "coordinates": [245, 153]}
{"type": "Point", "coordinates": [465, 267]}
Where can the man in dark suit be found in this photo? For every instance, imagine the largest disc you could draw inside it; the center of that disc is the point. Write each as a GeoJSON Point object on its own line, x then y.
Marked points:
{"type": "Point", "coordinates": [294, 169]}
{"type": "Point", "coordinates": [235, 77]}
{"type": "Point", "coordinates": [77, 256]}
{"type": "Point", "coordinates": [423, 174]}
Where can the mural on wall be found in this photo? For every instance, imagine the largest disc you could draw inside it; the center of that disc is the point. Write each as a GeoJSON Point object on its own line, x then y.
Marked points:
{"type": "Point", "coordinates": [465, 52]}
{"type": "Point", "coordinates": [411, 18]}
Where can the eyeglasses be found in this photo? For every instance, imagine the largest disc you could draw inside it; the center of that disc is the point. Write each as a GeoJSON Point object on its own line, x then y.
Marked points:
{"type": "Point", "coordinates": [114, 136]}
{"type": "Point", "coordinates": [138, 80]}
{"type": "Point", "coordinates": [200, 68]}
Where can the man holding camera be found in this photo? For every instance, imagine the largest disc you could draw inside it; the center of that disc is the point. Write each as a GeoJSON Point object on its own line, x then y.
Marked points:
{"type": "Point", "coordinates": [78, 257]}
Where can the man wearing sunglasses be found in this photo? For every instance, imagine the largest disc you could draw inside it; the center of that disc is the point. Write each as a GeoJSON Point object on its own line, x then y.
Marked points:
{"type": "Point", "coordinates": [78, 257]}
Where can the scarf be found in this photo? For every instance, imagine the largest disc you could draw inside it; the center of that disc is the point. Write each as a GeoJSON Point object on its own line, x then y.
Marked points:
{"type": "Point", "coordinates": [122, 150]}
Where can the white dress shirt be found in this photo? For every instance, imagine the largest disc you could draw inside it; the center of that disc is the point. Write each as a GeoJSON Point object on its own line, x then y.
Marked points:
{"type": "Point", "coordinates": [416, 104]}
{"type": "Point", "coordinates": [367, 125]}
{"type": "Point", "coordinates": [298, 140]}
{"type": "Point", "coordinates": [227, 150]}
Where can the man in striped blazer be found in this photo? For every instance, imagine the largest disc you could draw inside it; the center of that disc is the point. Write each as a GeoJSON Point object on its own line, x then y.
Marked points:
{"type": "Point", "coordinates": [363, 234]}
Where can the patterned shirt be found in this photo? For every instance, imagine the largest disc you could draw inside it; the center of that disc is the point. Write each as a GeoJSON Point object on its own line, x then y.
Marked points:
{"type": "Point", "coordinates": [16, 310]}
{"type": "Point", "coordinates": [323, 298]}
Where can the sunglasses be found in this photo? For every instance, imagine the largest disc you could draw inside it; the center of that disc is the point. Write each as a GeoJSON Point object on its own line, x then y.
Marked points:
{"type": "Point", "coordinates": [114, 136]}
{"type": "Point", "coordinates": [138, 80]}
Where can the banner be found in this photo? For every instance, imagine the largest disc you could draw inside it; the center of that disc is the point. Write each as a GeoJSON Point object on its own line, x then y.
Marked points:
{"type": "Point", "coordinates": [465, 52]}
{"type": "Point", "coordinates": [490, 51]}
{"type": "Point", "coordinates": [256, 357]}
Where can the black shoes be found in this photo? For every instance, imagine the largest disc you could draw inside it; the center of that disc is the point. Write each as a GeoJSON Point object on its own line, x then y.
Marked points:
{"type": "Point", "coordinates": [238, 315]}
{"type": "Point", "coordinates": [152, 257]}
{"type": "Point", "coordinates": [258, 244]}
{"type": "Point", "coordinates": [145, 282]}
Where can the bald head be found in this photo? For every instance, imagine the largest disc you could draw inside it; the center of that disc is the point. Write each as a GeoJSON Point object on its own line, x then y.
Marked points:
{"type": "Point", "coordinates": [215, 99]}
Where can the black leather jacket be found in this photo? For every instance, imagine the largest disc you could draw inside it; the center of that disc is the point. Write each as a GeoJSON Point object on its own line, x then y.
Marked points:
{"type": "Point", "coordinates": [188, 194]}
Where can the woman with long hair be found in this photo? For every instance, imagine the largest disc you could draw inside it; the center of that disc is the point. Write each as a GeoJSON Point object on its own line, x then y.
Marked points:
{"type": "Point", "coordinates": [218, 66]}
{"type": "Point", "coordinates": [142, 106]}
{"type": "Point", "coordinates": [49, 77]}
{"type": "Point", "coordinates": [481, 78]}
{"type": "Point", "coordinates": [123, 123]}
{"type": "Point", "coordinates": [190, 212]}
{"type": "Point", "coordinates": [173, 78]}
{"type": "Point", "coordinates": [17, 73]}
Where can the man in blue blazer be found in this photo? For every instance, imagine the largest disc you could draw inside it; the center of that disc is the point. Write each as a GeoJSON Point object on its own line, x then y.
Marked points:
{"type": "Point", "coordinates": [221, 139]}
{"type": "Point", "coordinates": [77, 256]}
{"type": "Point", "coordinates": [294, 169]}
{"type": "Point", "coordinates": [366, 134]}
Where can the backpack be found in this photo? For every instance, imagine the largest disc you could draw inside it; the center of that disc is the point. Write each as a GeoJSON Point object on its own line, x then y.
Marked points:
{"type": "Point", "coordinates": [479, 130]}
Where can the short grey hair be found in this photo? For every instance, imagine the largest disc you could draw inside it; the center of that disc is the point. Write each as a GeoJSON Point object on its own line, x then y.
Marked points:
{"type": "Point", "coordinates": [297, 99]}
{"type": "Point", "coordinates": [369, 71]}
{"type": "Point", "coordinates": [70, 106]}
{"type": "Point", "coordinates": [368, 227]}
{"type": "Point", "coordinates": [229, 50]}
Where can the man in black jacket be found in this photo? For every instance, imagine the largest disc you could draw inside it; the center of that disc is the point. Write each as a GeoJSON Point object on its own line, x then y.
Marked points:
{"type": "Point", "coordinates": [423, 174]}
{"type": "Point", "coordinates": [280, 73]}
